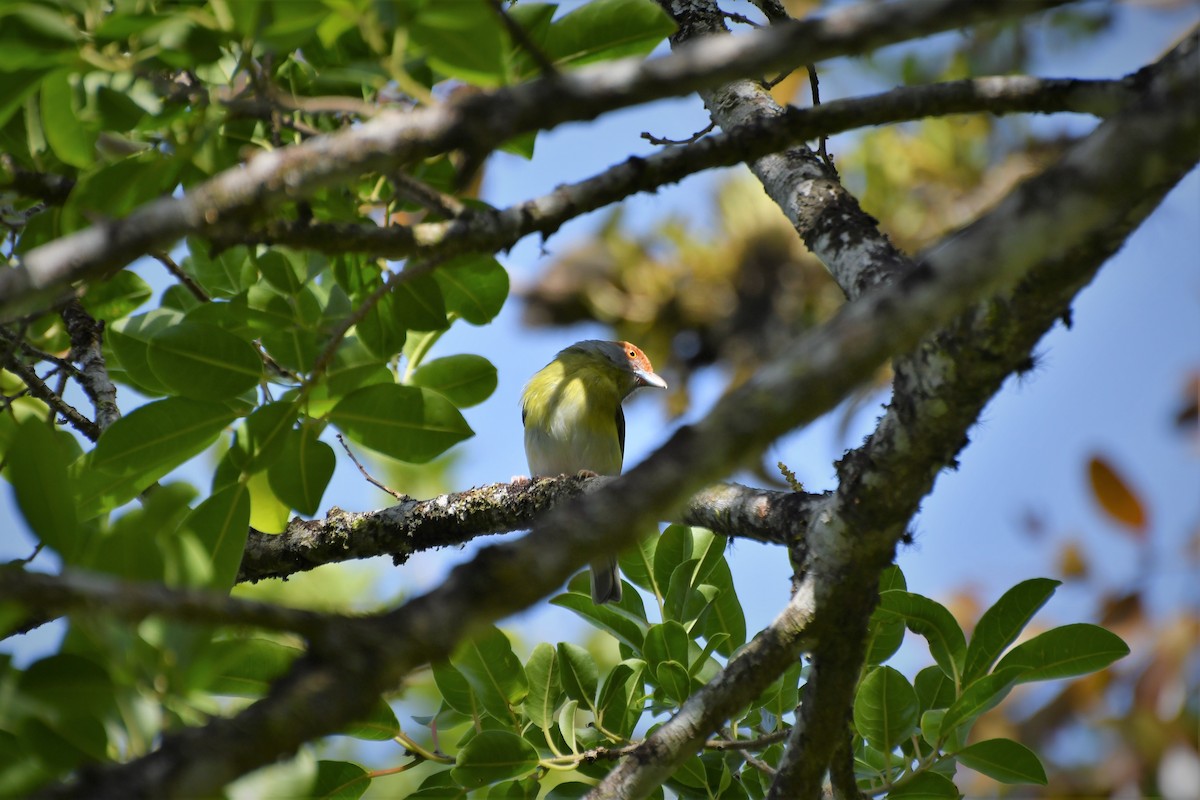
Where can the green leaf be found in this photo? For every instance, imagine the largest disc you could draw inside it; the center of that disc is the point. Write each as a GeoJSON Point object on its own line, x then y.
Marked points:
{"type": "Point", "coordinates": [885, 634]}
{"type": "Point", "coordinates": [203, 362]}
{"type": "Point", "coordinates": [545, 687]}
{"type": "Point", "coordinates": [285, 271]}
{"type": "Point", "coordinates": [494, 672]}
{"type": "Point", "coordinates": [452, 685]}
{"type": "Point", "coordinates": [1004, 760]}
{"type": "Point", "coordinates": [475, 287]}
{"type": "Point", "coordinates": [724, 614]}
{"type": "Point", "coordinates": [673, 677]}
{"type": "Point", "coordinates": [666, 642]}
{"type": "Point", "coordinates": [1065, 652]}
{"type": "Point", "coordinates": [339, 780]}
{"type": "Point", "coordinates": [1003, 622]}
{"type": "Point", "coordinates": [131, 548]}
{"type": "Point", "coordinates": [932, 620]}
{"type": "Point", "coordinates": [926, 786]}
{"type": "Point", "coordinates": [380, 726]}
{"type": "Point", "coordinates": [246, 667]}
{"type": "Point", "coordinates": [405, 422]}
{"type": "Point", "coordinates": [674, 547]}
{"type": "Point", "coordinates": [579, 674]}
{"type": "Point", "coordinates": [116, 297]}
{"type": "Point", "coordinates": [462, 40]}
{"type": "Point", "coordinates": [68, 138]}
{"type": "Point", "coordinates": [222, 276]}
{"type": "Point", "coordinates": [566, 724]}
{"type": "Point", "coordinates": [221, 524]}
{"type": "Point", "coordinates": [129, 340]}
{"type": "Point", "coordinates": [607, 29]}
{"type": "Point", "coordinates": [494, 756]}
{"type": "Point", "coordinates": [70, 684]}
{"type": "Point", "coordinates": [571, 790]}
{"type": "Point", "coordinates": [637, 564]}
{"type": "Point", "coordinates": [418, 305]}
{"type": "Point", "coordinates": [980, 696]}
{"type": "Point", "coordinates": [622, 698]}
{"type": "Point", "coordinates": [301, 474]}
{"type": "Point", "coordinates": [464, 380]}
{"type": "Point", "coordinates": [626, 629]}
{"type": "Point", "coordinates": [259, 443]}
{"type": "Point", "coordinates": [934, 688]}
{"type": "Point", "coordinates": [886, 708]}
{"type": "Point", "coordinates": [17, 86]}
{"type": "Point", "coordinates": [382, 331]}
{"type": "Point", "coordinates": [114, 189]}
{"type": "Point", "coordinates": [65, 742]}
{"type": "Point", "coordinates": [143, 446]}
{"type": "Point", "coordinates": [37, 469]}
{"type": "Point", "coordinates": [892, 578]}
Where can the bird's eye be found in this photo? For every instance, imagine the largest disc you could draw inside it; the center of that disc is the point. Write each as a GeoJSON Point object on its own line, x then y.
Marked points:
{"type": "Point", "coordinates": [632, 354]}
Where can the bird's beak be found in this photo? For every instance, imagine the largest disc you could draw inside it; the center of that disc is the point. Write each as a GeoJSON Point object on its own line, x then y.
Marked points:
{"type": "Point", "coordinates": [651, 379]}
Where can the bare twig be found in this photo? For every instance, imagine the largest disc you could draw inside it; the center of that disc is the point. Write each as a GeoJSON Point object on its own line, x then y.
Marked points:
{"type": "Point", "coordinates": [370, 479]}
{"type": "Point", "coordinates": [37, 388]}
{"type": "Point", "coordinates": [815, 84]}
{"type": "Point", "coordinates": [188, 281]}
{"type": "Point", "coordinates": [695, 137]}
{"type": "Point", "coordinates": [447, 205]}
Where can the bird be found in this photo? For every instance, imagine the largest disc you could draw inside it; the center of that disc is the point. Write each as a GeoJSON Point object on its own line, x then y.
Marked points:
{"type": "Point", "coordinates": [574, 423]}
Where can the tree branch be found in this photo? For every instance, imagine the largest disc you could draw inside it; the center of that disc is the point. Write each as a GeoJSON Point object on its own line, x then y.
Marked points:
{"type": "Point", "coordinates": [475, 123]}
{"type": "Point", "coordinates": [85, 334]}
{"type": "Point", "coordinates": [448, 520]}
{"type": "Point", "coordinates": [54, 595]}
{"type": "Point", "coordinates": [940, 390]}
{"type": "Point", "coordinates": [37, 388]}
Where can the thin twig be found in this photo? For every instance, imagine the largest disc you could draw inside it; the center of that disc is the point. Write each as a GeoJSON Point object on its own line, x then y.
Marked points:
{"type": "Point", "coordinates": [370, 479]}
{"type": "Point", "coordinates": [188, 281]}
{"type": "Point", "coordinates": [37, 388]}
{"type": "Point", "coordinates": [410, 272]}
{"type": "Point", "coordinates": [815, 84]}
{"type": "Point", "coordinates": [447, 205]}
{"type": "Point", "coordinates": [748, 744]}
{"type": "Point", "coordinates": [741, 19]}
{"type": "Point", "coordinates": [650, 137]}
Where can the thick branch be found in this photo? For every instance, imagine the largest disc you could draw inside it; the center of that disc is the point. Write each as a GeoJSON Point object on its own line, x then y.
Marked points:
{"type": "Point", "coordinates": [454, 519]}
{"type": "Point", "coordinates": [940, 390]}
{"type": "Point", "coordinates": [54, 595]}
{"type": "Point", "coordinates": [476, 124]}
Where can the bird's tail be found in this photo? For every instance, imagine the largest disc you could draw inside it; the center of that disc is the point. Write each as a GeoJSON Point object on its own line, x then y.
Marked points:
{"type": "Point", "coordinates": [606, 581]}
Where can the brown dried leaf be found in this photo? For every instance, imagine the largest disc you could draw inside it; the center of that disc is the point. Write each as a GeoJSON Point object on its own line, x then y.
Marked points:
{"type": "Point", "coordinates": [1116, 497]}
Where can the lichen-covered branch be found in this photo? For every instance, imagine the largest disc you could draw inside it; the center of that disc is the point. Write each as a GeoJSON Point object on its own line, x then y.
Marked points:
{"type": "Point", "coordinates": [453, 519]}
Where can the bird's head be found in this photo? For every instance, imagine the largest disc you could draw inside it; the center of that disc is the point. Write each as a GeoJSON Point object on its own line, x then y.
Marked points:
{"type": "Point", "coordinates": [626, 363]}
